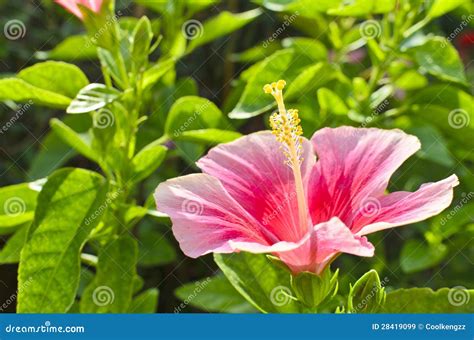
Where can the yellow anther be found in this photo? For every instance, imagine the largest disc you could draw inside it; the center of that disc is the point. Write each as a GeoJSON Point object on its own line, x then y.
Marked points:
{"type": "Point", "coordinates": [268, 89]}
{"type": "Point", "coordinates": [285, 124]}
{"type": "Point", "coordinates": [280, 84]}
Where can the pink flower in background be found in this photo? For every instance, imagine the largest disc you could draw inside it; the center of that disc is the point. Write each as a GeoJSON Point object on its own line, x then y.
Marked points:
{"type": "Point", "coordinates": [71, 6]}
{"type": "Point", "coordinates": [253, 197]}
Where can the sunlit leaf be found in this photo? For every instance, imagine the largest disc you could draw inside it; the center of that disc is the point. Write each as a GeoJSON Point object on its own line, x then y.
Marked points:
{"type": "Point", "coordinates": [68, 209]}
{"type": "Point", "coordinates": [112, 287]}
{"type": "Point", "coordinates": [212, 294]}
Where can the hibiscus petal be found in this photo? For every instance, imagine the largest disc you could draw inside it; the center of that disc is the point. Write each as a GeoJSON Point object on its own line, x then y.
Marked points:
{"type": "Point", "coordinates": [205, 217]}
{"type": "Point", "coordinates": [354, 164]}
{"type": "Point", "coordinates": [401, 208]}
{"type": "Point", "coordinates": [252, 169]}
{"type": "Point", "coordinates": [70, 6]}
{"type": "Point", "coordinates": [326, 240]}
{"type": "Point", "coordinates": [94, 5]}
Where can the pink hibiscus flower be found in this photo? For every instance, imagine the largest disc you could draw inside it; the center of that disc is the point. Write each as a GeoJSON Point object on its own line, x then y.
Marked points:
{"type": "Point", "coordinates": [267, 193]}
{"type": "Point", "coordinates": [71, 6]}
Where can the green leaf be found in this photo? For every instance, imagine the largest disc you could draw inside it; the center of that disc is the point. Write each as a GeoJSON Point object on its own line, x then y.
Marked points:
{"type": "Point", "coordinates": [73, 48]}
{"type": "Point", "coordinates": [451, 110]}
{"type": "Point", "coordinates": [212, 294]}
{"type": "Point", "coordinates": [154, 73]}
{"type": "Point", "coordinates": [192, 113]}
{"type": "Point", "coordinates": [439, 57]}
{"type": "Point", "coordinates": [440, 7]}
{"type": "Point", "coordinates": [10, 253]}
{"type": "Point", "coordinates": [55, 76]}
{"type": "Point", "coordinates": [308, 47]}
{"type": "Point", "coordinates": [425, 300]}
{"type": "Point", "coordinates": [411, 80]}
{"type": "Point", "coordinates": [362, 7]}
{"type": "Point", "coordinates": [154, 249]}
{"type": "Point", "coordinates": [53, 152]}
{"type": "Point", "coordinates": [146, 302]}
{"type": "Point", "coordinates": [417, 255]}
{"type": "Point", "coordinates": [208, 136]}
{"type": "Point", "coordinates": [147, 160]}
{"type": "Point", "coordinates": [284, 64]}
{"type": "Point", "coordinates": [309, 79]}
{"type": "Point", "coordinates": [92, 97]}
{"type": "Point", "coordinates": [112, 288]}
{"type": "Point", "coordinates": [109, 64]}
{"type": "Point", "coordinates": [20, 91]}
{"type": "Point", "coordinates": [256, 53]}
{"type": "Point", "coordinates": [86, 278]}
{"type": "Point", "coordinates": [330, 102]}
{"type": "Point", "coordinates": [197, 6]}
{"type": "Point", "coordinates": [264, 284]}
{"type": "Point", "coordinates": [50, 83]}
{"type": "Point", "coordinates": [433, 144]}
{"type": "Point", "coordinates": [73, 139]}
{"type": "Point", "coordinates": [159, 6]}
{"type": "Point", "coordinates": [218, 26]}
{"type": "Point", "coordinates": [449, 222]}
{"type": "Point", "coordinates": [17, 203]}
{"type": "Point", "coordinates": [141, 40]}
{"type": "Point", "coordinates": [69, 207]}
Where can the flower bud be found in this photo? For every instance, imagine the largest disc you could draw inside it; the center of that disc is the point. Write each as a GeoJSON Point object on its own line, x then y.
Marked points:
{"type": "Point", "coordinates": [367, 295]}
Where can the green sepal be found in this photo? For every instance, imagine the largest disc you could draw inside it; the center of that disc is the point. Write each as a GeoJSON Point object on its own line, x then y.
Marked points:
{"type": "Point", "coordinates": [312, 289]}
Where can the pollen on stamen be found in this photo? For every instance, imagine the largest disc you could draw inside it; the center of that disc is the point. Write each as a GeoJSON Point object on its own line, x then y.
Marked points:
{"type": "Point", "coordinates": [286, 125]}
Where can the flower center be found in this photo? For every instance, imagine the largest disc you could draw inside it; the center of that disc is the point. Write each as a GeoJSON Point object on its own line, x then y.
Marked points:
{"type": "Point", "coordinates": [286, 127]}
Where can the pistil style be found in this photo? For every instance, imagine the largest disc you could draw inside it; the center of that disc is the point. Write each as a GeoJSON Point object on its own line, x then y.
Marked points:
{"type": "Point", "coordinates": [286, 127]}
